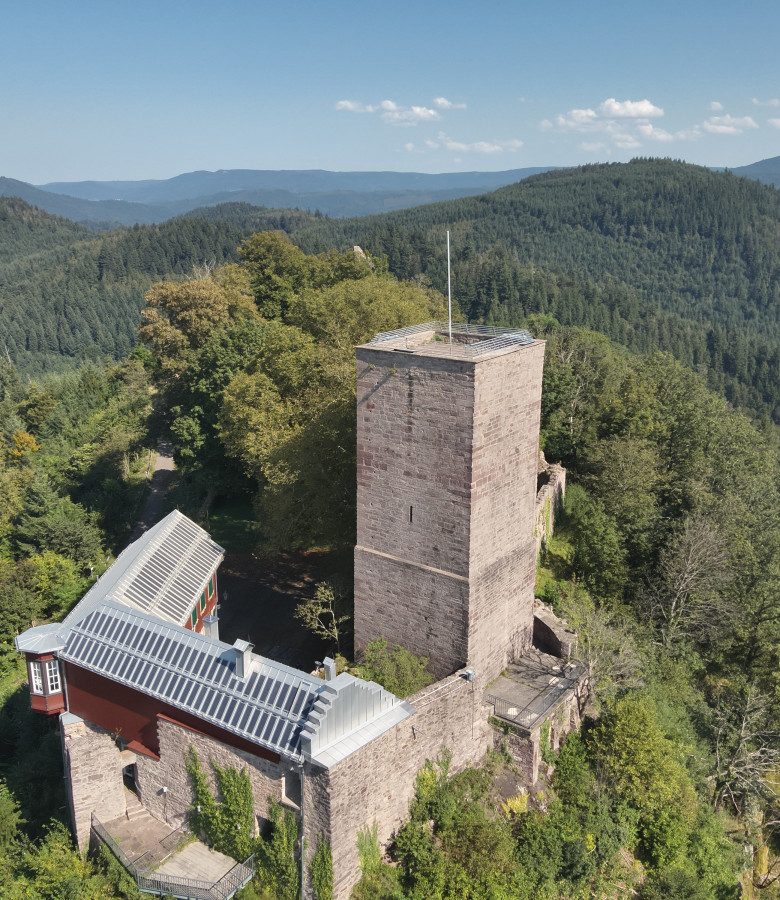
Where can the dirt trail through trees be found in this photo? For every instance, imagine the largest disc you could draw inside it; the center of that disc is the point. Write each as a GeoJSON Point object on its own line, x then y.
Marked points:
{"type": "Point", "coordinates": [158, 488]}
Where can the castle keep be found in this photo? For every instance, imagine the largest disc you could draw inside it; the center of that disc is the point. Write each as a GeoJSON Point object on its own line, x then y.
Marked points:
{"type": "Point", "coordinates": [447, 457]}
{"type": "Point", "coordinates": [447, 462]}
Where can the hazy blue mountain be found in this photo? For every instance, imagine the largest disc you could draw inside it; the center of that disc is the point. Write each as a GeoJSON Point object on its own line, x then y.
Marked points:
{"type": "Point", "coordinates": [104, 212]}
{"type": "Point", "coordinates": [766, 170]}
{"type": "Point", "coordinates": [304, 181]}
{"type": "Point", "coordinates": [340, 194]}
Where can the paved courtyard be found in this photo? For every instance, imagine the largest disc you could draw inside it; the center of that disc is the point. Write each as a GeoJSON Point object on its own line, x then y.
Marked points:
{"type": "Point", "coordinates": [154, 846]}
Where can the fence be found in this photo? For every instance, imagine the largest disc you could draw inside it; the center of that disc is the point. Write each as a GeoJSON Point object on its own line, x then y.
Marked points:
{"type": "Point", "coordinates": [527, 716]}
{"type": "Point", "coordinates": [487, 337]}
{"type": "Point", "coordinates": [167, 885]}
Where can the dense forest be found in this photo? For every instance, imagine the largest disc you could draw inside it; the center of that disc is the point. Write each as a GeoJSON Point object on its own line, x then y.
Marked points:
{"type": "Point", "coordinates": [68, 296]}
{"type": "Point", "coordinates": [665, 560]}
{"type": "Point", "coordinates": [656, 254]}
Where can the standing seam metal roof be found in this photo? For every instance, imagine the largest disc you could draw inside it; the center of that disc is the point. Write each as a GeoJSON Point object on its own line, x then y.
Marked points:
{"type": "Point", "coordinates": [128, 629]}
{"type": "Point", "coordinates": [162, 573]}
{"type": "Point", "coordinates": [196, 674]}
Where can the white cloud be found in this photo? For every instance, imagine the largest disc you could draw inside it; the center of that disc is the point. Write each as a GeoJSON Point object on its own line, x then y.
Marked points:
{"type": "Point", "coordinates": [629, 109]}
{"type": "Point", "coordinates": [409, 147]}
{"type": "Point", "coordinates": [775, 101]}
{"type": "Point", "coordinates": [354, 106]}
{"type": "Point", "coordinates": [394, 114]}
{"type": "Point", "coordinates": [620, 123]}
{"type": "Point", "coordinates": [576, 120]}
{"type": "Point", "coordinates": [716, 105]}
{"type": "Point", "coordinates": [485, 147]}
{"type": "Point", "coordinates": [775, 123]}
{"type": "Point", "coordinates": [656, 134]}
{"type": "Point", "coordinates": [391, 112]}
{"type": "Point", "coordinates": [444, 103]}
{"type": "Point", "coordinates": [728, 124]}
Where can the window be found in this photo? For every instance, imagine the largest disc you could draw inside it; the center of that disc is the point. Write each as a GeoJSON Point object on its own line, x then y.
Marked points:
{"type": "Point", "coordinates": [53, 676]}
{"type": "Point", "coordinates": [212, 582]}
{"type": "Point", "coordinates": [202, 601]}
{"type": "Point", "coordinates": [36, 678]}
{"type": "Point", "coordinates": [194, 617]}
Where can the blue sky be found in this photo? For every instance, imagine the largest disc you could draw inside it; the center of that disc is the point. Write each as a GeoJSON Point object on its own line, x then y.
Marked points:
{"type": "Point", "coordinates": [110, 90]}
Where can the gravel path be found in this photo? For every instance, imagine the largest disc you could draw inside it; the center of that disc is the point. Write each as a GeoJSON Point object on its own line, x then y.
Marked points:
{"type": "Point", "coordinates": [158, 487]}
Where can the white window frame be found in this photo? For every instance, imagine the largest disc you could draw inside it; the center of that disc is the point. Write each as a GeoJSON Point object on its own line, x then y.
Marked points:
{"type": "Point", "coordinates": [53, 679]}
{"type": "Point", "coordinates": [36, 677]}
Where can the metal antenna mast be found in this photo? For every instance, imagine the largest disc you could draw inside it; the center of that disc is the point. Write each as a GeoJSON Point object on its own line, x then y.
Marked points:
{"type": "Point", "coordinates": [449, 290]}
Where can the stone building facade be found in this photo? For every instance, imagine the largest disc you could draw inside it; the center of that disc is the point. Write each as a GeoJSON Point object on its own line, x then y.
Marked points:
{"type": "Point", "coordinates": [444, 565]}
{"type": "Point", "coordinates": [447, 457]}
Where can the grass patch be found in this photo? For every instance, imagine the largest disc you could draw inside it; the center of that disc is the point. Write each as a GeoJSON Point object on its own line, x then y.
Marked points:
{"type": "Point", "coordinates": [232, 524]}
{"type": "Point", "coordinates": [554, 561]}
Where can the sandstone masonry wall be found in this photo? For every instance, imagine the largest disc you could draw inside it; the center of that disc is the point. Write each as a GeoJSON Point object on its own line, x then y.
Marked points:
{"type": "Point", "coordinates": [170, 772]}
{"type": "Point", "coordinates": [93, 774]}
{"type": "Point", "coordinates": [376, 783]}
{"type": "Point", "coordinates": [413, 483]}
{"type": "Point", "coordinates": [507, 406]}
{"type": "Point", "coordinates": [446, 471]}
{"type": "Point", "coordinates": [548, 505]}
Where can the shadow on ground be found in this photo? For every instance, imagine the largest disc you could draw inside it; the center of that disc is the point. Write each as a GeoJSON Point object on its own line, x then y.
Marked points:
{"type": "Point", "coordinates": [258, 596]}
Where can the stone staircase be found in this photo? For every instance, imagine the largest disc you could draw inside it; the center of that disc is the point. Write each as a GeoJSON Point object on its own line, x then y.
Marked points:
{"type": "Point", "coordinates": [134, 810]}
{"type": "Point", "coordinates": [139, 834]}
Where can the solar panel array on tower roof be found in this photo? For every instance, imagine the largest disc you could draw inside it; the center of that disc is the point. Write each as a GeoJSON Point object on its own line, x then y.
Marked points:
{"type": "Point", "coordinates": [162, 573]}
{"type": "Point", "coordinates": [196, 674]}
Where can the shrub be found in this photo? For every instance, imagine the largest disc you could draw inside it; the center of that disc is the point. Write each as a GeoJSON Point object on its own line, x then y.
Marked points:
{"type": "Point", "coordinates": [398, 670]}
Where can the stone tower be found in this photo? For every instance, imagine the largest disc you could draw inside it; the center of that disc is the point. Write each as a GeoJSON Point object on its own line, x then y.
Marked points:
{"type": "Point", "coordinates": [447, 451]}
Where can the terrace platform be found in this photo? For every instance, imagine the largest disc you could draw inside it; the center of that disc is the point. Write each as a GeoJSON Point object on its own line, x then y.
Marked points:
{"type": "Point", "coordinates": [170, 861]}
{"type": "Point", "coordinates": [530, 689]}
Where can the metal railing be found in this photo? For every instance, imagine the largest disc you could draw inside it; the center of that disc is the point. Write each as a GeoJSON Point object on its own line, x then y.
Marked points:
{"type": "Point", "coordinates": [177, 886]}
{"type": "Point", "coordinates": [527, 716]}
{"type": "Point", "coordinates": [168, 845]}
{"type": "Point", "coordinates": [498, 336]}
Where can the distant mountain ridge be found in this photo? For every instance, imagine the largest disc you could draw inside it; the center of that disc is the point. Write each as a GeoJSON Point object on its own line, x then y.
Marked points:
{"type": "Point", "coordinates": [107, 204]}
{"type": "Point", "coordinates": [766, 171]}
{"type": "Point", "coordinates": [297, 181]}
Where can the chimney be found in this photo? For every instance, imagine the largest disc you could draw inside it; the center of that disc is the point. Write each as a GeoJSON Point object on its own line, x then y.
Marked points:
{"type": "Point", "coordinates": [243, 659]}
{"type": "Point", "coordinates": [329, 665]}
{"type": "Point", "coordinates": [211, 626]}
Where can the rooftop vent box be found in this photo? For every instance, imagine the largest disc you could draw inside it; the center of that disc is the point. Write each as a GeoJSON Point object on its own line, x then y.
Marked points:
{"type": "Point", "coordinates": [243, 657]}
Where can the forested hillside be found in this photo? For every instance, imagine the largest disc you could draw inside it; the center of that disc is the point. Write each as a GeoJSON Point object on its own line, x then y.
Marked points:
{"type": "Point", "coordinates": [67, 295]}
{"type": "Point", "coordinates": [665, 561]}
{"type": "Point", "coordinates": [658, 255]}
